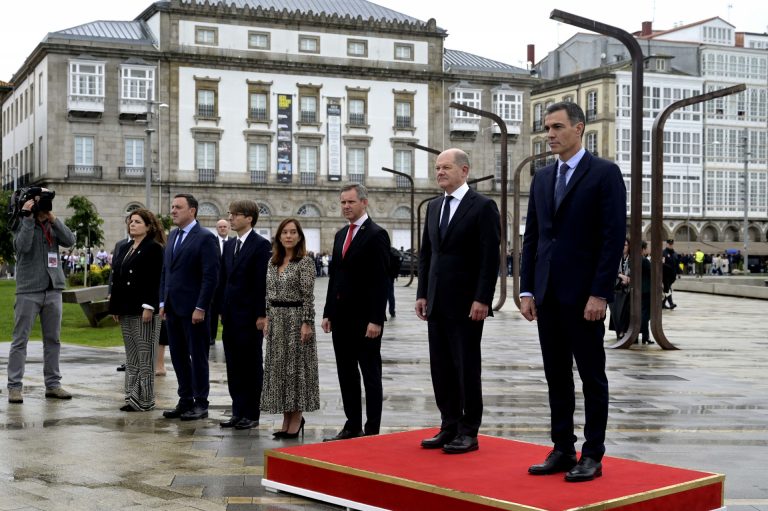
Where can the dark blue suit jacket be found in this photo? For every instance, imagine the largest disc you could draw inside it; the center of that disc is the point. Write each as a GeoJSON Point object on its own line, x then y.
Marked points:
{"type": "Point", "coordinates": [243, 281]}
{"type": "Point", "coordinates": [574, 252]}
{"type": "Point", "coordinates": [463, 267]}
{"type": "Point", "coordinates": [190, 275]}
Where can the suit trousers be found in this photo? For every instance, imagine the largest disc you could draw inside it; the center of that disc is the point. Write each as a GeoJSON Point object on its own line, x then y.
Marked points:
{"type": "Point", "coordinates": [454, 360]}
{"type": "Point", "coordinates": [245, 367]}
{"type": "Point", "coordinates": [28, 306]}
{"type": "Point", "coordinates": [566, 336]}
{"type": "Point", "coordinates": [353, 350]}
{"type": "Point", "coordinates": [189, 354]}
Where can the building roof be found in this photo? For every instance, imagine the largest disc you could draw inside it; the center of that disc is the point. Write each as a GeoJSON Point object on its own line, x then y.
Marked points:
{"type": "Point", "coordinates": [462, 61]}
{"type": "Point", "coordinates": [658, 33]}
{"type": "Point", "coordinates": [123, 31]}
{"type": "Point", "coordinates": [5, 84]}
{"type": "Point", "coordinates": [352, 8]}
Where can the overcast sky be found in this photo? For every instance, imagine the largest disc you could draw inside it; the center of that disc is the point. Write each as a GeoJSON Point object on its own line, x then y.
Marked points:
{"type": "Point", "coordinates": [497, 29]}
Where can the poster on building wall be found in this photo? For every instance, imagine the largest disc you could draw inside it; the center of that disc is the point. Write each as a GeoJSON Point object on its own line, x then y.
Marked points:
{"type": "Point", "coordinates": [284, 138]}
{"type": "Point", "coordinates": [334, 142]}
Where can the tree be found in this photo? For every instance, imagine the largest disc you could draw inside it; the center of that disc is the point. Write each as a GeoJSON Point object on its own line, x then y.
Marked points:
{"type": "Point", "coordinates": [85, 223]}
{"type": "Point", "coordinates": [7, 253]}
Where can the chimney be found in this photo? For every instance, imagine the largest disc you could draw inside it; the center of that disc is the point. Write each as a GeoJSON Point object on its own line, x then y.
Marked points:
{"type": "Point", "coordinates": [531, 54]}
{"type": "Point", "coordinates": [647, 29]}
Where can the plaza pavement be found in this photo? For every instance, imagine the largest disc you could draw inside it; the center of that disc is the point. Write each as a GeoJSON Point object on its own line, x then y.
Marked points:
{"type": "Point", "coordinates": [703, 407]}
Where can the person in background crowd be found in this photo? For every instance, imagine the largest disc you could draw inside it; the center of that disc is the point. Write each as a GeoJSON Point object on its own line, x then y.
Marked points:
{"type": "Point", "coordinates": [670, 270]}
{"type": "Point", "coordinates": [621, 296]}
{"type": "Point", "coordinates": [222, 234]}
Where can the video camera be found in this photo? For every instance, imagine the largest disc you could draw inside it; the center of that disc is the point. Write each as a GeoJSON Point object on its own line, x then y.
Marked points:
{"type": "Point", "coordinates": [22, 195]}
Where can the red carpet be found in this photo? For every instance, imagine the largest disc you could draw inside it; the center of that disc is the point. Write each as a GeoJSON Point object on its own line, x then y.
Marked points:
{"type": "Point", "coordinates": [394, 472]}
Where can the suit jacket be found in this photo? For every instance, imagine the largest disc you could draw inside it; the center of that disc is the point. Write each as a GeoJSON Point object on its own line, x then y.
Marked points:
{"type": "Point", "coordinates": [359, 282]}
{"type": "Point", "coordinates": [191, 274]}
{"type": "Point", "coordinates": [136, 281]}
{"type": "Point", "coordinates": [242, 287]}
{"type": "Point", "coordinates": [462, 267]}
{"type": "Point", "coordinates": [573, 252]}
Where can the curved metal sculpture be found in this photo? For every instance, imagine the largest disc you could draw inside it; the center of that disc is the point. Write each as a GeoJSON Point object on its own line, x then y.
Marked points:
{"type": "Point", "coordinates": [413, 199]}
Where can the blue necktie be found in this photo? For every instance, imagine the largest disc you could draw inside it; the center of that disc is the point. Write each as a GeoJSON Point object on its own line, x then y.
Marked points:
{"type": "Point", "coordinates": [177, 243]}
{"type": "Point", "coordinates": [446, 215]}
{"type": "Point", "coordinates": [560, 185]}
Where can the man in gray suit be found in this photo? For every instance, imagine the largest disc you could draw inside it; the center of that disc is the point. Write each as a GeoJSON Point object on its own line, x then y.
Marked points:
{"type": "Point", "coordinates": [39, 283]}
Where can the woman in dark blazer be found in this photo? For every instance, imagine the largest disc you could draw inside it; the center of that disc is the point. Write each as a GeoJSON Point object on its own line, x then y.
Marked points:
{"type": "Point", "coordinates": [134, 303]}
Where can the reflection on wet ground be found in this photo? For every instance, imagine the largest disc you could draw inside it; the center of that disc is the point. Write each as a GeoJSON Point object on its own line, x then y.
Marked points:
{"type": "Point", "coordinates": [702, 407]}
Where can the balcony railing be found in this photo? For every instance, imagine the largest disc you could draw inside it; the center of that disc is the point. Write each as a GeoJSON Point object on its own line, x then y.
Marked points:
{"type": "Point", "coordinates": [591, 114]}
{"type": "Point", "coordinates": [131, 172]}
{"type": "Point", "coordinates": [357, 119]}
{"type": "Point", "coordinates": [459, 123]}
{"type": "Point", "coordinates": [403, 122]}
{"type": "Point", "coordinates": [258, 177]}
{"type": "Point", "coordinates": [257, 114]}
{"type": "Point", "coordinates": [402, 183]}
{"type": "Point", "coordinates": [85, 103]}
{"type": "Point", "coordinates": [538, 126]}
{"type": "Point", "coordinates": [356, 178]}
{"type": "Point", "coordinates": [206, 175]}
{"type": "Point", "coordinates": [90, 171]}
{"type": "Point", "coordinates": [308, 116]}
{"type": "Point", "coordinates": [307, 178]}
{"type": "Point", "coordinates": [205, 110]}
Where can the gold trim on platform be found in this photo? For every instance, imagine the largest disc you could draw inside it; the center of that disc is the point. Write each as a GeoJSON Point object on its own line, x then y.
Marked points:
{"type": "Point", "coordinates": [488, 501]}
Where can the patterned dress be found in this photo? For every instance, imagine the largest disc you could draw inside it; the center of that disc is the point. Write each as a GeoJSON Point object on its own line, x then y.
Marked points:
{"type": "Point", "coordinates": [290, 367]}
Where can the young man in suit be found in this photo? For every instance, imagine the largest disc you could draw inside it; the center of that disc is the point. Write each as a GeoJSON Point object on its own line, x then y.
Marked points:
{"type": "Point", "coordinates": [242, 296]}
{"type": "Point", "coordinates": [574, 236]}
{"type": "Point", "coordinates": [187, 284]}
{"type": "Point", "coordinates": [458, 266]}
{"type": "Point", "coordinates": [355, 311]}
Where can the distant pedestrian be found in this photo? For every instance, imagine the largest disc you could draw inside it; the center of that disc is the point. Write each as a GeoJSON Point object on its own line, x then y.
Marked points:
{"type": "Point", "coordinates": [670, 269]}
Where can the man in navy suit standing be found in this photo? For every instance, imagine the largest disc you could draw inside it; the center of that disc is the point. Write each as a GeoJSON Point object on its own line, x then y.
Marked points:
{"type": "Point", "coordinates": [187, 285]}
{"type": "Point", "coordinates": [242, 297]}
{"type": "Point", "coordinates": [355, 311]}
{"type": "Point", "coordinates": [458, 266]}
{"type": "Point", "coordinates": [574, 236]}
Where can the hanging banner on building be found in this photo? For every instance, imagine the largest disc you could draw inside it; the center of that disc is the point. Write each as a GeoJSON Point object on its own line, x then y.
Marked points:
{"type": "Point", "coordinates": [284, 138]}
{"type": "Point", "coordinates": [334, 142]}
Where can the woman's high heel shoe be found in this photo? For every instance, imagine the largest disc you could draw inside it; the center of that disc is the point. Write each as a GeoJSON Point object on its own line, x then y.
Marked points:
{"type": "Point", "coordinates": [277, 435]}
{"type": "Point", "coordinates": [295, 435]}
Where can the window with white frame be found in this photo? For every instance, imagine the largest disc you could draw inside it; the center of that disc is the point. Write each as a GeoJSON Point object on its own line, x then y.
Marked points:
{"type": "Point", "coordinates": [403, 114]}
{"type": "Point", "coordinates": [470, 98]}
{"type": "Point", "coordinates": [355, 164]}
{"type": "Point", "coordinates": [206, 103]}
{"type": "Point", "coordinates": [257, 106]}
{"type": "Point", "coordinates": [403, 51]}
{"type": "Point", "coordinates": [206, 156]}
{"type": "Point", "coordinates": [357, 48]}
{"type": "Point", "coordinates": [86, 79]}
{"type": "Point", "coordinates": [623, 100]}
{"type": "Point", "coordinates": [258, 156]}
{"type": "Point", "coordinates": [508, 106]}
{"type": "Point", "coordinates": [134, 152]}
{"type": "Point", "coordinates": [308, 108]}
{"type": "Point", "coordinates": [590, 142]}
{"type": "Point", "coordinates": [207, 35]}
{"type": "Point", "coordinates": [682, 194]}
{"type": "Point", "coordinates": [403, 163]}
{"type": "Point", "coordinates": [356, 112]}
{"type": "Point", "coordinates": [137, 82]}
{"type": "Point", "coordinates": [84, 151]}
{"type": "Point", "coordinates": [591, 112]}
{"type": "Point", "coordinates": [308, 159]}
{"type": "Point", "coordinates": [258, 40]}
{"type": "Point", "coordinates": [309, 44]}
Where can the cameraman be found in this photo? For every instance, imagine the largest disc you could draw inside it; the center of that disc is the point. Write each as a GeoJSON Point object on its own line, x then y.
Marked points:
{"type": "Point", "coordinates": [39, 283]}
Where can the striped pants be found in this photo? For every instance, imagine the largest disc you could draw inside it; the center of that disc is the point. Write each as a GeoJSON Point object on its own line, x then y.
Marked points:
{"type": "Point", "coordinates": [140, 340]}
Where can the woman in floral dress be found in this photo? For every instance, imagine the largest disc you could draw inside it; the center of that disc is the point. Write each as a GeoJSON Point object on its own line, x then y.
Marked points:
{"type": "Point", "coordinates": [291, 384]}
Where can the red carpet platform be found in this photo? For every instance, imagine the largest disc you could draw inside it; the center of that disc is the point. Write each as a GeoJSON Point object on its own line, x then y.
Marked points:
{"type": "Point", "coordinates": [393, 472]}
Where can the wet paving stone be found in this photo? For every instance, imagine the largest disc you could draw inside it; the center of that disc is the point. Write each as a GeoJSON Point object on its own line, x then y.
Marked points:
{"type": "Point", "coordinates": [702, 407]}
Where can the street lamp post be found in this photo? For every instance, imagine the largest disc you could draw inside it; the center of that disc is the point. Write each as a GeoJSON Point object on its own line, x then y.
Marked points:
{"type": "Point", "coordinates": [745, 140]}
{"type": "Point", "coordinates": [148, 153]}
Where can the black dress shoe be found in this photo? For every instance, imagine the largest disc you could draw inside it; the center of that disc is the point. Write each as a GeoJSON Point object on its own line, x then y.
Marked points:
{"type": "Point", "coordinates": [231, 423]}
{"type": "Point", "coordinates": [121, 367]}
{"type": "Point", "coordinates": [586, 470]}
{"type": "Point", "coordinates": [439, 440]}
{"type": "Point", "coordinates": [344, 434]}
{"type": "Point", "coordinates": [194, 414]}
{"type": "Point", "coordinates": [556, 462]}
{"type": "Point", "coordinates": [175, 413]}
{"type": "Point", "coordinates": [246, 424]}
{"type": "Point", "coordinates": [461, 444]}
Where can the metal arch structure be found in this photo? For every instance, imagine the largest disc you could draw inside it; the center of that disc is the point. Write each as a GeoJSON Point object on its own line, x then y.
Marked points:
{"type": "Point", "coordinates": [636, 155]}
{"type": "Point", "coordinates": [657, 203]}
{"type": "Point", "coordinates": [413, 200]}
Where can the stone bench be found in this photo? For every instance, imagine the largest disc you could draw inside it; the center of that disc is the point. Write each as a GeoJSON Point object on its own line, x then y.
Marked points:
{"type": "Point", "coordinates": [93, 301]}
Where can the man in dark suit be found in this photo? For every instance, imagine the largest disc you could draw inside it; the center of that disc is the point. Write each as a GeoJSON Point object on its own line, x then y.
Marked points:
{"type": "Point", "coordinates": [574, 236]}
{"type": "Point", "coordinates": [458, 266]}
{"type": "Point", "coordinates": [222, 235]}
{"type": "Point", "coordinates": [187, 284]}
{"type": "Point", "coordinates": [242, 295]}
{"type": "Point", "coordinates": [355, 311]}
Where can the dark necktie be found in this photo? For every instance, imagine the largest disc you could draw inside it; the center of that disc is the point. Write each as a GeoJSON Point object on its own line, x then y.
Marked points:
{"type": "Point", "coordinates": [560, 185]}
{"type": "Point", "coordinates": [177, 243]}
{"type": "Point", "coordinates": [446, 215]}
{"type": "Point", "coordinates": [237, 247]}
